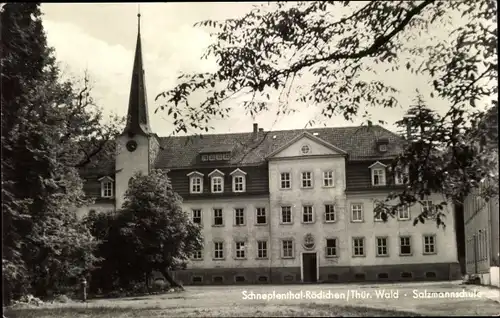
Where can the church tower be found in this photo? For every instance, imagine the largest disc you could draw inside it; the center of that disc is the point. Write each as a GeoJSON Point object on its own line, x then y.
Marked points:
{"type": "Point", "coordinates": [137, 146]}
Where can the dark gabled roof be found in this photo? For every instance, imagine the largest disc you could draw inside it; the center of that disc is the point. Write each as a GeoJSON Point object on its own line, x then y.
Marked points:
{"type": "Point", "coordinates": [217, 149]}
{"type": "Point", "coordinates": [358, 142]}
{"type": "Point", "coordinates": [102, 164]}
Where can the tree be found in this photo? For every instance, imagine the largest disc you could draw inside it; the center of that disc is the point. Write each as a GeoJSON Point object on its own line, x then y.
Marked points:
{"type": "Point", "coordinates": [447, 158]}
{"type": "Point", "coordinates": [150, 233]}
{"type": "Point", "coordinates": [334, 47]}
{"type": "Point", "coordinates": [50, 128]}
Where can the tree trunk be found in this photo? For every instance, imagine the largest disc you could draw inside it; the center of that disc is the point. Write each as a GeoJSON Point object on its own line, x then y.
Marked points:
{"type": "Point", "coordinates": [170, 280]}
{"type": "Point", "coordinates": [146, 276]}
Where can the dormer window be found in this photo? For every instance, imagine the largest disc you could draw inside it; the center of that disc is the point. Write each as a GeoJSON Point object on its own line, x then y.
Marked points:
{"type": "Point", "coordinates": [211, 155]}
{"type": "Point", "coordinates": [378, 174]}
{"type": "Point", "coordinates": [239, 180]}
{"type": "Point", "coordinates": [106, 187]}
{"type": "Point", "coordinates": [195, 182]}
{"type": "Point", "coordinates": [217, 181]}
{"type": "Point", "coordinates": [217, 184]}
{"type": "Point", "coordinates": [382, 145]}
{"type": "Point", "coordinates": [401, 177]}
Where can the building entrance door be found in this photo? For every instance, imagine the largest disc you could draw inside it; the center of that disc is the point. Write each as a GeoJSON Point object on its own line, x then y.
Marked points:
{"type": "Point", "coordinates": [309, 268]}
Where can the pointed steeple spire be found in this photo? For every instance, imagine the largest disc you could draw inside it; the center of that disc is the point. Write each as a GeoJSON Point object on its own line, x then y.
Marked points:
{"type": "Point", "coordinates": [138, 118]}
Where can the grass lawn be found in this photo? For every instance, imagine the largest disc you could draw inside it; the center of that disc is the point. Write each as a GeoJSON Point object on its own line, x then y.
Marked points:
{"type": "Point", "coordinates": [310, 310]}
{"type": "Point", "coordinates": [228, 301]}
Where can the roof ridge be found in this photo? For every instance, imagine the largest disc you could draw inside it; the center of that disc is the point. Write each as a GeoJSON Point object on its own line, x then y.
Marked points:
{"type": "Point", "coordinates": [279, 131]}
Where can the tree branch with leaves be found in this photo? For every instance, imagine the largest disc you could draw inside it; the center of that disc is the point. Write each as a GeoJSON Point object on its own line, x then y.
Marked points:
{"type": "Point", "coordinates": [333, 51]}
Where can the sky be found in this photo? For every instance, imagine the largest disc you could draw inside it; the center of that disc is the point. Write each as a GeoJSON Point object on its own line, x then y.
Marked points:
{"type": "Point", "coordinates": [101, 38]}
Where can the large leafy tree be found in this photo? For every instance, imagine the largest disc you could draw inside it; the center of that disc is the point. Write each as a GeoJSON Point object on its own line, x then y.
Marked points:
{"type": "Point", "coordinates": [50, 129]}
{"type": "Point", "coordinates": [327, 54]}
{"type": "Point", "coordinates": [150, 233]}
{"type": "Point", "coordinates": [454, 159]}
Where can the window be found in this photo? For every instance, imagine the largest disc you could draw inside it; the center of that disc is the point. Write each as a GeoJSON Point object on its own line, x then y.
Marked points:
{"type": "Point", "coordinates": [204, 158]}
{"type": "Point", "coordinates": [378, 177]}
{"type": "Point", "coordinates": [383, 275]}
{"type": "Point", "coordinates": [239, 279]}
{"type": "Point", "coordinates": [377, 217]}
{"type": "Point", "coordinates": [307, 180]}
{"type": "Point", "coordinates": [107, 189]}
{"type": "Point", "coordinates": [357, 212]}
{"type": "Point", "coordinates": [218, 156]}
{"type": "Point", "coordinates": [218, 217]}
{"type": "Point", "coordinates": [405, 245]}
{"type": "Point", "coordinates": [287, 248]}
{"type": "Point", "coordinates": [239, 184]}
{"type": "Point", "coordinates": [427, 206]}
{"type": "Point", "coordinates": [218, 279]}
{"type": "Point", "coordinates": [305, 149]}
{"type": "Point", "coordinates": [240, 250]}
{"type": "Point", "coordinates": [239, 216]}
{"type": "Point", "coordinates": [196, 215]}
{"type": "Point", "coordinates": [212, 157]}
{"type": "Point", "coordinates": [285, 180]}
{"type": "Point", "coordinates": [307, 214]}
{"type": "Point", "coordinates": [197, 279]}
{"type": "Point", "coordinates": [331, 247]}
{"type": "Point", "coordinates": [401, 177]}
{"type": "Point", "coordinates": [196, 185]}
{"type": "Point", "coordinates": [328, 178]}
{"type": "Point", "coordinates": [262, 279]}
{"type": "Point", "coordinates": [217, 184]}
{"type": "Point", "coordinates": [197, 255]}
{"type": "Point", "coordinates": [330, 213]}
{"type": "Point", "coordinates": [429, 244]}
{"type": "Point", "coordinates": [286, 214]}
{"type": "Point", "coordinates": [261, 216]}
{"type": "Point", "coordinates": [261, 249]}
{"type": "Point", "coordinates": [239, 180]}
{"type": "Point", "coordinates": [403, 213]}
{"type": "Point", "coordinates": [382, 148]}
{"type": "Point", "coordinates": [359, 276]}
{"type": "Point", "coordinates": [226, 156]}
{"type": "Point", "coordinates": [358, 244]}
{"type": "Point", "coordinates": [485, 244]}
{"type": "Point", "coordinates": [430, 275]}
{"type": "Point", "coordinates": [382, 246]}
{"type": "Point", "coordinates": [218, 250]}
{"type": "Point", "coordinates": [406, 275]}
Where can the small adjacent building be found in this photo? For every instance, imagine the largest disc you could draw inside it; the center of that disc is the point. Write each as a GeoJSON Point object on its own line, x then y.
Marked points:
{"type": "Point", "coordinates": [482, 252]}
{"type": "Point", "coordinates": [482, 222]}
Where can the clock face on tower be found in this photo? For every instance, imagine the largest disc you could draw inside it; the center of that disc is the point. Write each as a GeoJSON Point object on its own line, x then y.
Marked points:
{"type": "Point", "coordinates": [131, 145]}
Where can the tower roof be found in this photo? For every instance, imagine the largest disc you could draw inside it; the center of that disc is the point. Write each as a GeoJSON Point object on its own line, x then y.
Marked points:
{"type": "Point", "coordinates": [137, 117]}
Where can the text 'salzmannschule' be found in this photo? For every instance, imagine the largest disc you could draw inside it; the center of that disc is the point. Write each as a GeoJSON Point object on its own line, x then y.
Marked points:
{"type": "Point", "coordinates": [359, 294]}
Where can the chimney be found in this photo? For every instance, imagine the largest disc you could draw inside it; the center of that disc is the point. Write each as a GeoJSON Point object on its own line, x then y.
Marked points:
{"type": "Point", "coordinates": [255, 130]}
{"type": "Point", "coordinates": [261, 129]}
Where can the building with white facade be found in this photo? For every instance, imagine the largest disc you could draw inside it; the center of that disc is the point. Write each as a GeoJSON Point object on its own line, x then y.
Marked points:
{"type": "Point", "coordinates": [283, 206]}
